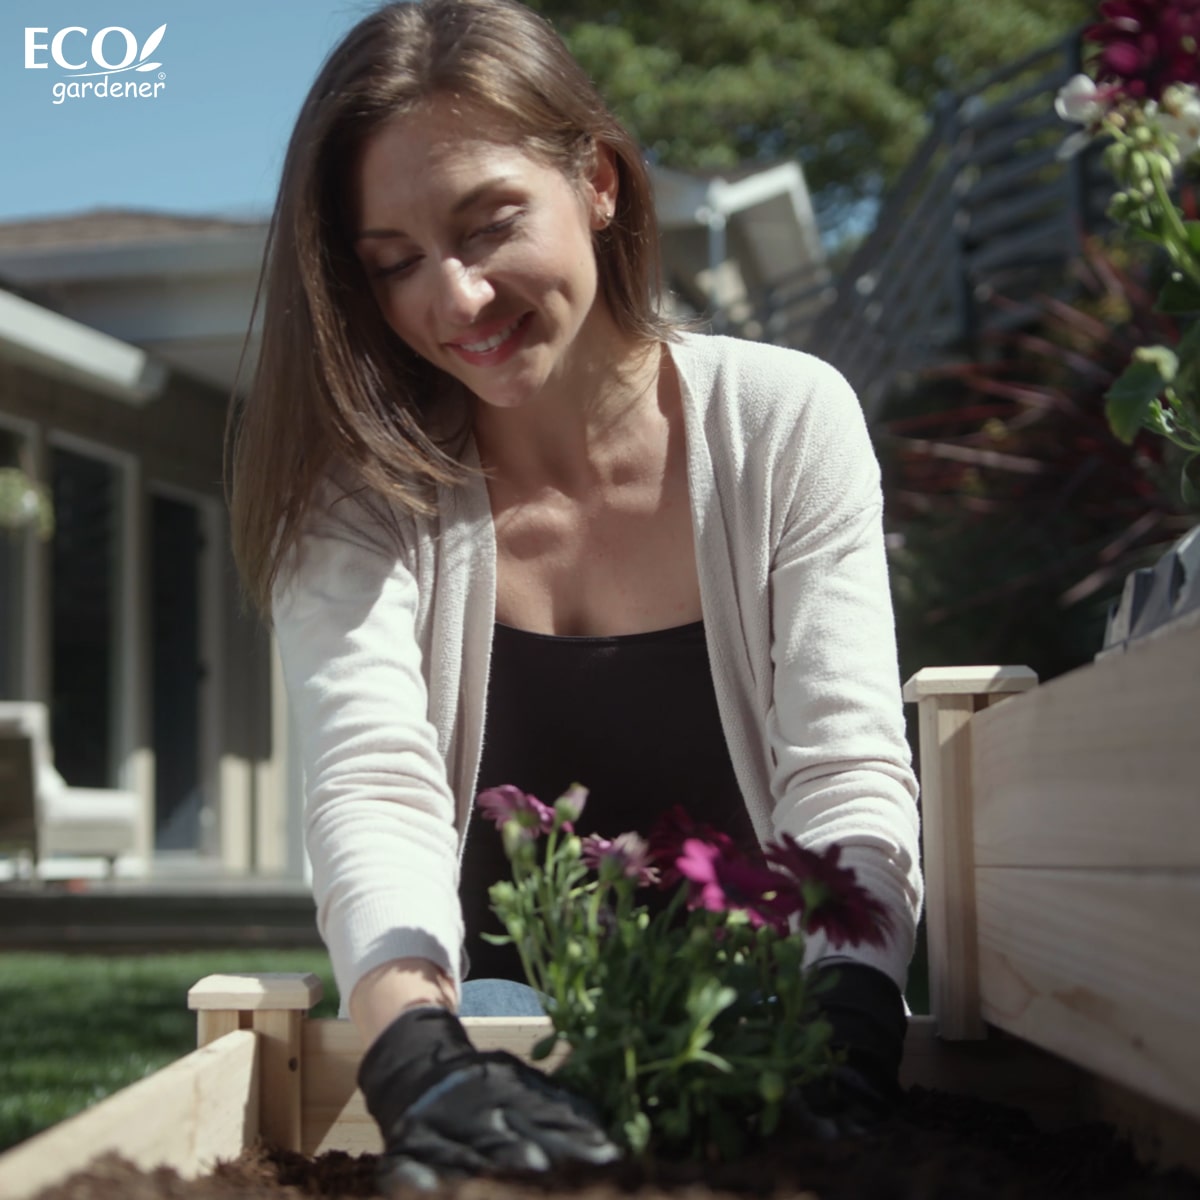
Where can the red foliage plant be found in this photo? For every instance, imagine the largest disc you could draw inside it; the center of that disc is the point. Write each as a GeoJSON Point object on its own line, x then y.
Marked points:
{"type": "Point", "coordinates": [1006, 489]}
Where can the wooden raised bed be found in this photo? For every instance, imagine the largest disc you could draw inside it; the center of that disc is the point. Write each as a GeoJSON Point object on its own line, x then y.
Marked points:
{"type": "Point", "coordinates": [1062, 860]}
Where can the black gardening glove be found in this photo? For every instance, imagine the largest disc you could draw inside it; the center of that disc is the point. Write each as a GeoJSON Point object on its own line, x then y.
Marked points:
{"type": "Point", "coordinates": [866, 1011]}
{"type": "Point", "coordinates": [447, 1110]}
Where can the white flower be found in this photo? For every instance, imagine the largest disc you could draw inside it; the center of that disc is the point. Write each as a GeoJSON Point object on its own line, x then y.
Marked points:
{"type": "Point", "coordinates": [1179, 117]}
{"type": "Point", "coordinates": [1077, 101]}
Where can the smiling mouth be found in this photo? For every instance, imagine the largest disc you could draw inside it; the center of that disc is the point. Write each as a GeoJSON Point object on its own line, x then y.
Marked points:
{"type": "Point", "coordinates": [493, 342]}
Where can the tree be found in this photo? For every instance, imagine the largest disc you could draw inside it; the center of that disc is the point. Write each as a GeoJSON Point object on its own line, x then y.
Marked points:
{"type": "Point", "coordinates": [845, 85]}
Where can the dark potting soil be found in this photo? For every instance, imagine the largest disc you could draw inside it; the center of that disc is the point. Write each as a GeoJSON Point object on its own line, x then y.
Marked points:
{"type": "Point", "coordinates": [938, 1146]}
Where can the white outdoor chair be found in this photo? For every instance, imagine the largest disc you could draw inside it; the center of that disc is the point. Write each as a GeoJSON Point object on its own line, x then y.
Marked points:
{"type": "Point", "coordinates": [39, 813]}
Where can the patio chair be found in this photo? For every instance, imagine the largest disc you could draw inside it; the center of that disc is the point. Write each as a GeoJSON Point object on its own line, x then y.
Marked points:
{"type": "Point", "coordinates": [39, 813]}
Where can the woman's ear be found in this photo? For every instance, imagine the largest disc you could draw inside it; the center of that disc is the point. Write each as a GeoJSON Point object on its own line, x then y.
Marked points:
{"type": "Point", "coordinates": [602, 185]}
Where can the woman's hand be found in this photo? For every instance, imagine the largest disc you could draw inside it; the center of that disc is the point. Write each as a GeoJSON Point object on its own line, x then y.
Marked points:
{"type": "Point", "coordinates": [866, 1011]}
{"type": "Point", "coordinates": [448, 1110]}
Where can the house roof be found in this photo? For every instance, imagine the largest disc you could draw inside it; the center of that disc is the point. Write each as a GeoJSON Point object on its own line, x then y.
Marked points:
{"type": "Point", "coordinates": [110, 226]}
{"type": "Point", "coordinates": [180, 287]}
{"type": "Point", "coordinates": [66, 349]}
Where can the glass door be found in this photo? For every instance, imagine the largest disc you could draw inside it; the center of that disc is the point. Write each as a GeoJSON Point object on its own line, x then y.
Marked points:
{"type": "Point", "coordinates": [178, 671]}
{"type": "Point", "coordinates": [85, 620]}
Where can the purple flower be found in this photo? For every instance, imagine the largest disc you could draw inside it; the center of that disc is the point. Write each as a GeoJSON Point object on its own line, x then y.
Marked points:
{"type": "Point", "coordinates": [723, 880]}
{"type": "Point", "coordinates": [1147, 45]}
{"type": "Point", "coordinates": [625, 855]}
{"type": "Point", "coordinates": [830, 896]}
{"type": "Point", "coordinates": [667, 837]}
{"type": "Point", "coordinates": [507, 803]}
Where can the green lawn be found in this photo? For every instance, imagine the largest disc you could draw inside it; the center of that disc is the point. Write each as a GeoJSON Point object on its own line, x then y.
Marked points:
{"type": "Point", "coordinates": [74, 1028]}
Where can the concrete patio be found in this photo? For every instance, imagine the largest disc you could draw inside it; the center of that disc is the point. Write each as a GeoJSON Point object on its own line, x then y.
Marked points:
{"type": "Point", "coordinates": [178, 907]}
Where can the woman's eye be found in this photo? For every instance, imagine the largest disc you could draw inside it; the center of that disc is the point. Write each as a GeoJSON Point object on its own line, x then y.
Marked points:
{"type": "Point", "coordinates": [496, 227]}
{"type": "Point", "coordinates": [394, 270]}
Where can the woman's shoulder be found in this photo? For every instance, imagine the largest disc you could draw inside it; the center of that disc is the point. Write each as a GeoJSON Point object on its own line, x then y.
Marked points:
{"type": "Point", "coordinates": [758, 385]}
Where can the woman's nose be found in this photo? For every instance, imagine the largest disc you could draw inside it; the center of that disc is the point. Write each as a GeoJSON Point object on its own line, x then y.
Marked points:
{"type": "Point", "coordinates": [464, 292]}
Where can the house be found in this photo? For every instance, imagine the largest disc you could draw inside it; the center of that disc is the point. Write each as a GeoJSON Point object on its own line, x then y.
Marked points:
{"type": "Point", "coordinates": [120, 337]}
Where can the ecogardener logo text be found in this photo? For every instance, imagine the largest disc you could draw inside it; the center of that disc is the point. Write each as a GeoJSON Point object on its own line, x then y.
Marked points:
{"type": "Point", "coordinates": [76, 50]}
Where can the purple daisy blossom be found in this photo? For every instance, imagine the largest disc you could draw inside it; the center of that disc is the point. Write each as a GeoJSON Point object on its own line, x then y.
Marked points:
{"type": "Point", "coordinates": [507, 803]}
{"type": "Point", "coordinates": [667, 837]}
{"type": "Point", "coordinates": [722, 880]}
{"type": "Point", "coordinates": [627, 854]}
{"type": "Point", "coordinates": [829, 896]}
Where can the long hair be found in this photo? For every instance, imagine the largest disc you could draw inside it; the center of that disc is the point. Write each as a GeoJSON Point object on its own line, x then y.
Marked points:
{"type": "Point", "coordinates": [334, 388]}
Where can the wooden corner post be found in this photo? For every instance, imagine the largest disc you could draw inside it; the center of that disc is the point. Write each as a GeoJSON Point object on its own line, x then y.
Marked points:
{"type": "Point", "coordinates": [947, 698]}
{"type": "Point", "coordinates": [274, 1007]}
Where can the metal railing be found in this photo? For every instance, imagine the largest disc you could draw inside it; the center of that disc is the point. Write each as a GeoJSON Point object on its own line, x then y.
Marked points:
{"type": "Point", "coordinates": [986, 207]}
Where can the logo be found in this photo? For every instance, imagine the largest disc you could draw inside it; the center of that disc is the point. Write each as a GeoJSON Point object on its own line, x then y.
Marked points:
{"type": "Point", "coordinates": [94, 62]}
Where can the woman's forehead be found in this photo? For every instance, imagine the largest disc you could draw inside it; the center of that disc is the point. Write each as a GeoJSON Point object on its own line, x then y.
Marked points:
{"type": "Point", "coordinates": [438, 154]}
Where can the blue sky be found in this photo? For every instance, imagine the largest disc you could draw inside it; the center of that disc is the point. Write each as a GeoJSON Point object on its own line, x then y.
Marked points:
{"type": "Point", "coordinates": [212, 142]}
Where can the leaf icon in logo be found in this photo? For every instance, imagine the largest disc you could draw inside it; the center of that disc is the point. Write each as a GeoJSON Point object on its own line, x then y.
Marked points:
{"type": "Point", "coordinates": [147, 66]}
{"type": "Point", "coordinates": [150, 46]}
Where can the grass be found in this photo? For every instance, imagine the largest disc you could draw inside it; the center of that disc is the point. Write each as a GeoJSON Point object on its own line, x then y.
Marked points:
{"type": "Point", "coordinates": [74, 1027]}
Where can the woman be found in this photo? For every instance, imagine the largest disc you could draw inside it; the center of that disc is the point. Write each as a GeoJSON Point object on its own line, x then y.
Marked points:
{"type": "Point", "coordinates": [476, 466]}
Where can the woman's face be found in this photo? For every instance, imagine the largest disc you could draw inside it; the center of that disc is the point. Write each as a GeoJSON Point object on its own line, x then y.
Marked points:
{"type": "Point", "coordinates": [479, 255]}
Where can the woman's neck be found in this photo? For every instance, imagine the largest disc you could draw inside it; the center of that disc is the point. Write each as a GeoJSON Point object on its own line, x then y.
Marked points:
{"type": "Point", "coordinates": [575, 438]}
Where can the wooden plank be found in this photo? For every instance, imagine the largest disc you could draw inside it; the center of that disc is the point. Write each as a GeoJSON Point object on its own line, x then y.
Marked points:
{"type": "Point", "coordinates": [282, 1076]}
{"type": "Point", "coordinates": [948, 865]}
{"type": "Point", "coordinates": [1100, 767]}
{"type": "Point", "coordinates": [214, 1023]}
{"type": "Point", "coordinates": [285, 990]}
{"type": "Point", "coordinates": [998, 1068]}
{"type": "Point", "coordinates": [1100, 967]}
{"type": "Point", "coordinates": [201, 1108]}
{"type": "Point", "coordinates": [974, 681]}
{"type": "Point", "coordinates": [334, 1116]}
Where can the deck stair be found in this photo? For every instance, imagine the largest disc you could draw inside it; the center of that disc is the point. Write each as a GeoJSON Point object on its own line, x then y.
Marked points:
{"type": "Point", "coordinates": [986, 208]}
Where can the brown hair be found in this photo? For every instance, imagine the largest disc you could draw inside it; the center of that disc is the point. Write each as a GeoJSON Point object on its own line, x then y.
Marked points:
{"type": "Point", "coordinates": [334, 387]}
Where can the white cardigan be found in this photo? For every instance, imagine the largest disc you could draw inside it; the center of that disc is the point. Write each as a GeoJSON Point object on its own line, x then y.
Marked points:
{"type": "Point", "coordinates": [384, 623]}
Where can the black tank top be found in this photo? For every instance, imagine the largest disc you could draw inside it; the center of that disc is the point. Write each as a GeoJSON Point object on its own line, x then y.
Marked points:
{"type": "Point", "coordinates": [633, 718]}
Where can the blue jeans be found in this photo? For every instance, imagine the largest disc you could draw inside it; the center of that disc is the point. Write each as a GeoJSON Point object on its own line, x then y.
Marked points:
{"type": "Point", "coordinates": [499, 998]}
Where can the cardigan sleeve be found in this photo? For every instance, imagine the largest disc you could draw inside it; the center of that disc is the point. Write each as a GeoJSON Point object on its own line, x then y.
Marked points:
{"type": "Point", "coordinates": [842, 764]}
{"type": "Point", "coordinates": [379, 809]}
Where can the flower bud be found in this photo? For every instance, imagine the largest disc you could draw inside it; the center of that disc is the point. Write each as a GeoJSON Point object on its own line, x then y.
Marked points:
{"type": "Point", "coordinates": [1139, 166]}
{"type": "Point", "coordinates": [1115, 157]}
{"type": "Point", "coordinates": [771, 1086]}
{"type": "Point", "coordinates": [569, 806]}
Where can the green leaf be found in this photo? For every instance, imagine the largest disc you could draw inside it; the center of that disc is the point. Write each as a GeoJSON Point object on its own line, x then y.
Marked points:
{"type": "Point", "coordinates": [543, 1047]}
{"type": "Point", "coordinates": [1189, 481]}
{"type": "Point", "coordinates": [1179, 298]}
{"type": "Point", "coordinates": [1128, 400]}
{"type": "Point", "coordinates": [1193, 236]}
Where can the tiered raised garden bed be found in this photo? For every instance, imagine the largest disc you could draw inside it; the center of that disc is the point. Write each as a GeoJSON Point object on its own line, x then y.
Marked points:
{"type": "Point", "coordinates": [1062, 858]}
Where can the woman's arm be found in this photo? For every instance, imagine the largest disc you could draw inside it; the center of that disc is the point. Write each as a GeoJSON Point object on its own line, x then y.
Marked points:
{"type": "Point", "coordinates": [380, 813]}
{"type": "Point", "coordinates": [842, 762]}
{"type": "Point", "coordinates": [392, 989]}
